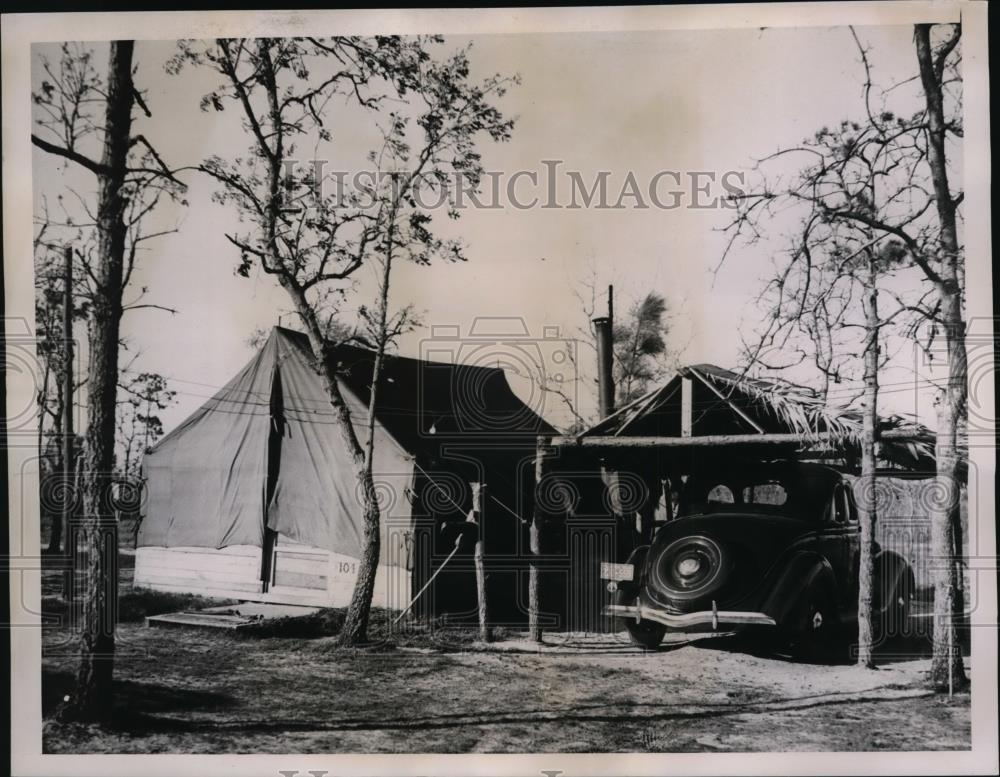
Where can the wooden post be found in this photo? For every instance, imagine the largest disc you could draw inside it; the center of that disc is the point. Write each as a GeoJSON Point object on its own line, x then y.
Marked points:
{"type": "Point", "coordinates": [477, 516]}
{"type": "Point", "coordinates": [687, 404]}
{"type": "Point", "coordinates": [534, 627]}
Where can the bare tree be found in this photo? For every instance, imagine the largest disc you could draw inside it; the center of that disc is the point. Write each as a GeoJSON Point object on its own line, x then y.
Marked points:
{"type": "Point", "coordinates": [143, 396]}
{"type": "Point", "coordinates": [51, 348]}
{"type": "Point", "coordinates": [879, 186]}
{"type": "Point", "coordinates": [76, 111]}
{"type": "Point", "coordinates": [427, 115]}
{"type": "Point", "coordinates": [944, 267]}
{"type": "Point", "coordinates": [74, 226]}
{"type": "Point", "coordinates": [869, 445]}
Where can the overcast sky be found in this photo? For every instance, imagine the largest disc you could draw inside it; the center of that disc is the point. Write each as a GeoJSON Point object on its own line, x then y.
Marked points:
{"type": "Point", "coordinates": [701, 101]}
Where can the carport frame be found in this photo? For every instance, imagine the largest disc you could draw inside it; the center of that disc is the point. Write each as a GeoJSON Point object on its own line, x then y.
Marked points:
{"type": "Point", "coordinates": [546, 447]}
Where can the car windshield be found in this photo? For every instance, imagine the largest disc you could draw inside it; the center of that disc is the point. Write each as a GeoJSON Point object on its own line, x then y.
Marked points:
{"type": "Point", "coordinates": [796, 491]}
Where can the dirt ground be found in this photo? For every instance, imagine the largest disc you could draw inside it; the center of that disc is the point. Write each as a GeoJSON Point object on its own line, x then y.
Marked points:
{"type": "Point", "coordinates": [196, 691]}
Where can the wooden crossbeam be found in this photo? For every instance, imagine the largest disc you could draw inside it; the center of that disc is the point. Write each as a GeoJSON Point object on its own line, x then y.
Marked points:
{"type": "Point", "coordinates": [712, 440]}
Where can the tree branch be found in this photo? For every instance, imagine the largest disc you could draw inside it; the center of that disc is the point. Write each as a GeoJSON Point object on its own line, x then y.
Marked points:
{"type": "Point", "coordinates": [95, 167]}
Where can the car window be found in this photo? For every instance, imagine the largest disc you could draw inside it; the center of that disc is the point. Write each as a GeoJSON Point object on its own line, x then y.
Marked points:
{"type": "Point", "coordinates": [798, 492]}
{"type": "Point", "coordinates": [850, 505]}
{"type": "Point", "coordinates": [838, 511]}
{"type": "Point", "coordinates": [721, 493]}
{"type": "Point", "coordinates": [765, 494]}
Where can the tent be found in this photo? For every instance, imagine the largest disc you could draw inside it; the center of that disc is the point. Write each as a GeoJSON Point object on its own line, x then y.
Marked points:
{"type": "Point", "coordinates": [255, 496]}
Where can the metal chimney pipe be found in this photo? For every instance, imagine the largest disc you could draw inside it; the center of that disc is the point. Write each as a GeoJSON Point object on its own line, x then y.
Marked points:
{"type": "Point", "coordinates": [605, 377]}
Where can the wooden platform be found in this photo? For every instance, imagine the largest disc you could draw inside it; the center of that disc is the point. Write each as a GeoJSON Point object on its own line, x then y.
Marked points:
{"type": "Point", "coordinates": [235, 617]}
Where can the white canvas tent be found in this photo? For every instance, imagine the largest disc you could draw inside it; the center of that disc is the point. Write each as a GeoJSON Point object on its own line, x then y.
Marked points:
{"type": "Point", "coordinates": [255, 497]}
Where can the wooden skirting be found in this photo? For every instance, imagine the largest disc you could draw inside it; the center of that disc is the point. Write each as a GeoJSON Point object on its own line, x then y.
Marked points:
{"type": "Point", "coordinates": [299, 574]}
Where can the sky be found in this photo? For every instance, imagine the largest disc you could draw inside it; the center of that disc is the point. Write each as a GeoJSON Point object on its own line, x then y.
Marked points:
{"type": "Point", "coordinates": [637, 102]}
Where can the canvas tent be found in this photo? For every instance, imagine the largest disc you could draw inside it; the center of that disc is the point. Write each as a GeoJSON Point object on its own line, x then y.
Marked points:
{"type": "Point", "coordinates": [255, 496]}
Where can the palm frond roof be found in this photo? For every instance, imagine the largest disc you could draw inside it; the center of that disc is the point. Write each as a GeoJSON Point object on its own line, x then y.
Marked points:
{"type": "Point", "coordinates": [727, 402]}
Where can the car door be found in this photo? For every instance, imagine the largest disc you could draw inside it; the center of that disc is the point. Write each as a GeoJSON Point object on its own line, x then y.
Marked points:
{"type": "Point", "coordinates": [838, 543]}
{"type": "Point", "coordinates": [852, 548]}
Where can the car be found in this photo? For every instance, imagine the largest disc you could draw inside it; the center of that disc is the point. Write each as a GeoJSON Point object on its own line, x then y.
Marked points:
{"type": "Point", "coordinates": [772, 547]}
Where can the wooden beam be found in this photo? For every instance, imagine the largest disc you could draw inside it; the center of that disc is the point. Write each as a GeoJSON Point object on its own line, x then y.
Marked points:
{"type": "Point", "coordinates": [706, 441]}
{"type": "Point", "coordinates": [647, 402]}
{"type": "Point", "coordinates": [727, 400]}
{"type": "Point", "coordinates": [712, 440]}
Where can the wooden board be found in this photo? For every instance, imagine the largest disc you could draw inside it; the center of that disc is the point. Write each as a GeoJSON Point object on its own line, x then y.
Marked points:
{"type": "Point", "coordinates": [300, 574]}
{"type": "Point", "coordinates": [229, 573]}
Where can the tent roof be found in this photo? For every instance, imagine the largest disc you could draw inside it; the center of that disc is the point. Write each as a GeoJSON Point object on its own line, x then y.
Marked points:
{"type": "Point", "coordinates": [725, 402]}
{"type": "Point", "coordinates": [416, 395]}
{"type": "Point", "coordinates": [418, 400]}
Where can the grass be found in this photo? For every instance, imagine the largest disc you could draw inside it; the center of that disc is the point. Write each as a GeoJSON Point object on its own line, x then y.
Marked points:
{"type": "Point", "coordinates": [136, 604]}
{"type": "Point", "coordinates": [439, 634]}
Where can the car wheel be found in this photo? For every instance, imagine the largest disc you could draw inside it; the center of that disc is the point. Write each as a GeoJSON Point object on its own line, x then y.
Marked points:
{"type": "Point", "coordinates": [645, 634]}
{"type": "Point", "coordinates": [816, 637]}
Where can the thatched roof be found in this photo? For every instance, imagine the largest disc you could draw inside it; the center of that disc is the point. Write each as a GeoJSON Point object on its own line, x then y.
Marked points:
{"type": "Point", "coordinates": [725, 402]}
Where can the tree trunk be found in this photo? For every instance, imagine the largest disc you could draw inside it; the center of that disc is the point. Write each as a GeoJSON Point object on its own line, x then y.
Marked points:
{"type": "Point", "coordinates": [91, 699]}
{"type": "Point", "coordinates": [947, 667]}
{"type": "Point", "coordinates": [68, 455]}
{"type": "Point", "coordinates": [355, 628]}
{"type": "Point", "coordinates": [869, 507]}
{"type": "Point", "coordinates": [58, 469]}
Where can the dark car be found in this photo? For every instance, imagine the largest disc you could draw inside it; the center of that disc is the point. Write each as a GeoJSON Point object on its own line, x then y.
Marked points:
{"type": "Point", "coordinates": [774, 547]}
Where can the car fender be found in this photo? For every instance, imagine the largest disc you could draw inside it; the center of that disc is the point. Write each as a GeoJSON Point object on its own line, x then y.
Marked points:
{"type": "Point", "coordinates": [637, 558]}
{"type": "Point", "coordinates": [803, 572]}
{"type": "Point", "coordinates": [891, 571]}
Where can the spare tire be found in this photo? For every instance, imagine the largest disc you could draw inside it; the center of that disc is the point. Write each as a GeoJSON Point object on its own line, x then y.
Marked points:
{"type": "Point", "coordinates": [687, 571]}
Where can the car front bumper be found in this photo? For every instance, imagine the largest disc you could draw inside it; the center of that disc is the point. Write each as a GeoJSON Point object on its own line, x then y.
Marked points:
{"type": "Point", "coordinates": [714, 619]}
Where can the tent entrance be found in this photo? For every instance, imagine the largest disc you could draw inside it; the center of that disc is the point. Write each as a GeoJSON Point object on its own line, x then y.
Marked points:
{"type": "Point", "coordinates": [267, 558]}
{"type": "Point", "coordinates": [289, 570]}
{"type": "Point", "coordinates": [297, 569]}
{"type": "Point", "coordinates": [276, 433]}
